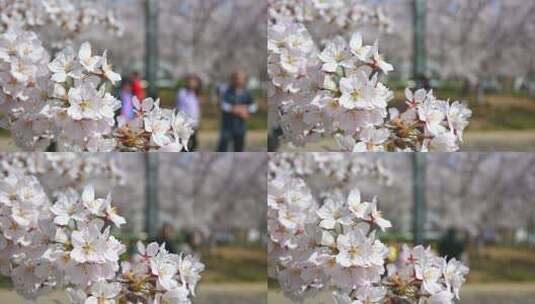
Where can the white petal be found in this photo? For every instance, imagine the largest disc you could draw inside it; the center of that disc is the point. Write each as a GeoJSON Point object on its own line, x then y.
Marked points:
{"type": "Point", "coordinates": [85, 51]}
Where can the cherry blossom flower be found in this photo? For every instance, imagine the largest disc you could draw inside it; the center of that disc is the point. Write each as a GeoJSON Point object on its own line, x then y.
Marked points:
{"type": "Point", "coordinates": [84, 103]}
{"type": "Point", "coordinates": [112, 76]}
{"type": "Point", "coordinates": [165, 270]}
{"type": "Point", "coordinates": [64, 102]}
{"type": "Point", "coordinates": [374, 216]}
{"type": "Point", "coordinates": [357, 47]}
{"type": "Point", "coordinates": [88, 245]}
{"type": "Point", "coordinates": [104, 293]}
{"type": "Point", "coordinates": [65, 65]}
{"type": "Point", "coordinates": [329, 241]}
{"type": "Point", "coordinates": [332, 213]}
{"type": "Point", "coordinates": [66, 209]}
{"type": "Point", "coordinates": [67, 245]}
{"type": "Point", "coordinates": [335, 55]}
{"type": "Point", "coordinates": [355, 249]}
{"type": "Point", "coordinates": [350, 102]}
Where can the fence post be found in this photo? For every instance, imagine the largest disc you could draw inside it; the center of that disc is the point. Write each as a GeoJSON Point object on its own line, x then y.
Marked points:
{"type": "Point", "coordinates": [419, 47]}
{"type": "Point", "coordinates": [151, 46]}
{"type": "Point", "coordinates": [151, 194]}
{"type": "Point", "coordinates": [419, 212]}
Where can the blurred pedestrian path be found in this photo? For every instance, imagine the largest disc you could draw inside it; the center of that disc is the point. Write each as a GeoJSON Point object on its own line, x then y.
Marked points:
{"type": "Point", "coordinates": [256, 141]}
{"type": "Point", "coordinates": [474, 141]}
{"type": "Point", "coordinates": [233, 293]}
{"type": "Point", "coordinates": [495, 293]}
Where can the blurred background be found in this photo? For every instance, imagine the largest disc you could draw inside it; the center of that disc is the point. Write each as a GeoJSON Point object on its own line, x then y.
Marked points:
{"type": "Point", "coordinates": [478, 207]}
{"type": "Point", "coordinates": [478, 51]}
{"type": "Point", "coordinates": [166, 41]}
{"type": "Point", "coordinates": [210, 204]}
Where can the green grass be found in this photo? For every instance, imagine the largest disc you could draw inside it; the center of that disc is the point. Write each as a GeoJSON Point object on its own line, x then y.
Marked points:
{"type": "Point", "coordinates": [512, 119]}
{"type": "Point", "coordinates": [501, 112]}
{"type": "Point", "coordinates": [211, 113]}
{"type": "Point", "coordinates": [5, 282]}
{"type": "Point", "coordinates": [235, 264]}
{"type": "Point", "coordinates": [232, 263]}
{"type": "Point", "coordinates": [226, 264]}
{"type": "Point", "coordinates": [211, 118]}
{"type": "Point", "coordinates": [502, 264]}
{"type": "Point", "coordinates": [493, 264]}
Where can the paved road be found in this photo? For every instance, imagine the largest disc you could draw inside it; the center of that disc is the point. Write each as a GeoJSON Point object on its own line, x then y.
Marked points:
{"type": "Point", "coordinates": [236, 298]}
{"type": "Point", "coordinates": [208, 294]}
{"type": "Point", "coordinates": [232, 294]}
{"type": "Point", "coordinates": [499, 294]}
{"type": "Point", "coordinates": [513, 141]}
{"type": "Point", "coordinates": [503, 141]}
{"type": "Point", "coordinates": [508, 141]}
{"type": "Point", "coordinates": [256, 294]}
{"type": "Point", "coordinates": [256, 141]}
{"type": "Point", "coordinates": [472, 294]}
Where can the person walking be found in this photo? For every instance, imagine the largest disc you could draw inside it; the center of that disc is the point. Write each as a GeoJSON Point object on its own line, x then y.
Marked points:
{"type": "Point", "coordinates": [237, 106]}
{"type": "Point", "coordinates": [137, 86]}
{"type": "Point", "coordinates": [188, 101]}
{"type": "Point", "coordinates": [126, 96]}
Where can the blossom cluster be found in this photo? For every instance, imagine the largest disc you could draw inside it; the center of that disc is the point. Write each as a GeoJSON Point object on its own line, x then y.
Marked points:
{"type": "Point", "coordinates": [23, 80]}
{"type": "Point", "coordinates": [338, 168]}
{"type": "Point", "coordinates": [63, 170]}
{"type": "Point", "coordinates": [341, 13]}
{"type": "Point", "coordinates": [337, 92]}
{"type": "Point", "coordinates": [68, 245]}
{"type": "Point", "coordinates": [333, 245]}
{"type": "Point", "coordinates": [418, 274]}
{"type": "Point", "coordinates": [68, 15]}
{"type": "Point", "coordinates": [67, 102]}
{"type": "Point", "coordinates": [153, 128]}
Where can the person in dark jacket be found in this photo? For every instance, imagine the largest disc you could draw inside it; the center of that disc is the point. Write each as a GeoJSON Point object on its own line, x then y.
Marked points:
{"type": "Point", "coordinates": [451, 245]}
{"type": "Point", "coordinates": [167, 236]}
{"type": "Point", "coordinates": [237, 106]}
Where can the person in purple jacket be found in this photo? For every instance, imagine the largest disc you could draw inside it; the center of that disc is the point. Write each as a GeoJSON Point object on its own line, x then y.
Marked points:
{"type": "Point", "coordinates": [126, 96]}
{"type": "Point", "coordinates": [188, 101]}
